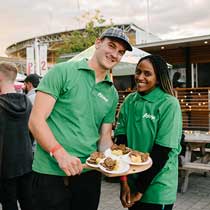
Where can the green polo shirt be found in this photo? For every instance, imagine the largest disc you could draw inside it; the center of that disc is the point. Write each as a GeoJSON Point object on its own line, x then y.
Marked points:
{"type": "Point", "coordinates": [81, 107]}
{"type": "Point", "coordinates": [151, 119]}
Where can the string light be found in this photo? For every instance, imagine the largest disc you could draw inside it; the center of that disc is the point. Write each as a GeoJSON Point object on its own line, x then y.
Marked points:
{"type": "Point", "coordinates": [190, 102]}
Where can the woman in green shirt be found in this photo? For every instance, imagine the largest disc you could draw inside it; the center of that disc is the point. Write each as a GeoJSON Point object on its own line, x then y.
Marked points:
{"type": "Point", "coordinates": [150, 121]}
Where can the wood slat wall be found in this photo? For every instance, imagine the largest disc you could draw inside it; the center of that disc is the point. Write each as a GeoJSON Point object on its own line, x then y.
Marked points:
{"type": "Point", "coordinates": [199, 54]}
{"type": "Point", "coordinates": [194, 103]}
{"type": "Point", "coordinates": [195, 106]}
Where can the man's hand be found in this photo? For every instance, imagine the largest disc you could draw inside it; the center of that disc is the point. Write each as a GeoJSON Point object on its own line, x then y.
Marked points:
{"type": "Point", "coordinates": [71, 165]}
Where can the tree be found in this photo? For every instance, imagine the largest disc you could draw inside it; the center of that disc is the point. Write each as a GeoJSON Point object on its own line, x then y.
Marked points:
{"type": "Point", "coordinates": [80, 40]}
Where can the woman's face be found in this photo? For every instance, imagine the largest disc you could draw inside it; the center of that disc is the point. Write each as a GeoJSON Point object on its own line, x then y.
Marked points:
{"type": "Point", "coordinates": [145, 77]}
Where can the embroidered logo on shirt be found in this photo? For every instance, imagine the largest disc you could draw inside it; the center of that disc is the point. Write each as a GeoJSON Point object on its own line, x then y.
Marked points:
{"type": "Point", "coordinates": [149, 116]}
{"type": "Point", "coordinates": [102, 97]}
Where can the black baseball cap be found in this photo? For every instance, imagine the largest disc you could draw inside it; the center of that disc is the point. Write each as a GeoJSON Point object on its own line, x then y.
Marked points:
{"type": "Point", "coordinates": [118, 34]}
{"type": "Point", "coordinates": [34, 79]}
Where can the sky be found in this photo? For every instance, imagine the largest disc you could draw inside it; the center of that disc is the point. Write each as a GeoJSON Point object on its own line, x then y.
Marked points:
{"type": "Point", "coordinates": [168, 19]}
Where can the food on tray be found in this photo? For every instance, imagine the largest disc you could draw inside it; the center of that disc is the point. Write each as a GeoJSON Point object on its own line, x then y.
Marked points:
{"type": "Point", "coordinates": [138, 157]}
{"type": "Point", "coordinates": [120, 149]}
{"type": "Point", "coordinates": [96, 157]}
{"type": "Point", "coordinates": [110, 164]}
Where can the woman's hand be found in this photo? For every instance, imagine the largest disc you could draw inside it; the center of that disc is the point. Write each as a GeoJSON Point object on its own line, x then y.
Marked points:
{"type": "Point", "coordinates": [128, 199]}
{"type": "Point", "coordinates": [125, 194]}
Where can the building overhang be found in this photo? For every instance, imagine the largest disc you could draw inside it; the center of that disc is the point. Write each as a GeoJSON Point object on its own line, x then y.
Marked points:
{"type": "Point", "coordinates": [176, 51]}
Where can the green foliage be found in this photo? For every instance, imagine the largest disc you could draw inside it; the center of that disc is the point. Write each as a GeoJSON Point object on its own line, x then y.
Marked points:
{"type": "Point", "coordinates": [80, 40]}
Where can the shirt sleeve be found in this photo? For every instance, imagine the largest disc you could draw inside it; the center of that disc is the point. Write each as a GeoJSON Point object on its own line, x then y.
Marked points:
{"type": "Point", "coordinates": [159, 157]}
{"type": "Point", "coordinates": [170, 124]}
{"type": "Point", "coordinates": [121, 139]}
{"type": "Point", "coordinates": [52, 83]}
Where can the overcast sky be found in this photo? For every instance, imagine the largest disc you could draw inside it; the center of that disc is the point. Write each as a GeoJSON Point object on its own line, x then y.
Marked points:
{"type": "Point", "coordinates": [168, 19]}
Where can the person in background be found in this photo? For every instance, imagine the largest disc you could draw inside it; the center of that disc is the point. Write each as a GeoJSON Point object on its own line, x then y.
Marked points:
{"type": "Point", "coordinates": [71, 118]}
{"type": "Point", "coordinates": [150, 121]}
{"type": "Point", "coordinates": [177, 83]}
{"type": "Point", "coordinates": [15, 144]}
{"type": "Point", "coordinates": [31, 82]}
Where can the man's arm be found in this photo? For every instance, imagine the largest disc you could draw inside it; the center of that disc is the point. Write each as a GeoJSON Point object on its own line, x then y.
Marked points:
{"type": "Point", "coordinates": [42, 108]}
{"type": "Point", "coordinates": [105, 141]}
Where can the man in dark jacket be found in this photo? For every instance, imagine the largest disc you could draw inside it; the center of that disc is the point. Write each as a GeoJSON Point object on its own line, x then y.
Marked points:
{"type": "Point", "coordinates": [15, 143]}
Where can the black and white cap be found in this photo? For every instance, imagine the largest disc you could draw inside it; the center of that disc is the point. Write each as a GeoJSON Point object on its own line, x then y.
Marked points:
{"type": "Point", "coordinates": [118, 34]}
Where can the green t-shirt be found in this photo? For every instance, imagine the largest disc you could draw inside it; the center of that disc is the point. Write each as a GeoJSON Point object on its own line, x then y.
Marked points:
{"type": "Point", "coordinates": [81, 107]}
{"type": "Point", "coordinates": [151, 119]}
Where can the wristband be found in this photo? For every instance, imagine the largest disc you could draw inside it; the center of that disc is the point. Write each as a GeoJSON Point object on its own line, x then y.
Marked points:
{"type": "Point", "coordinates": [54, 149]}
{"type": "Point", "coordinates": [123, 178]}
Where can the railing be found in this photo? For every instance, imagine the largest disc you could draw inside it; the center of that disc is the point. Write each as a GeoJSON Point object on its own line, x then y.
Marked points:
{"type": "Point", "coordinates": [195, 106]}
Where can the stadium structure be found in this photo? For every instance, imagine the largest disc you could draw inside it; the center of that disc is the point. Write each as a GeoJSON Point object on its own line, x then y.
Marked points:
{"type": "Point", "coordinates": [54, 41]}
{"type": "Point", "coordinates": [19, 62]}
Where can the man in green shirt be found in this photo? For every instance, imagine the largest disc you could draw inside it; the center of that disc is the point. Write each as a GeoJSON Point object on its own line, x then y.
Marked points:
{"type": "Point", "coordinates": [72, 117]}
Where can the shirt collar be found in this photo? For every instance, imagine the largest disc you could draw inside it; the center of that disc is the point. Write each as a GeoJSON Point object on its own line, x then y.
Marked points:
{"type": "Point", "coordinates": [31, 92]}
{"type": "Point", "coordinates": [83, 65]}
{"type": "Point", "coordinates": [151, 96]}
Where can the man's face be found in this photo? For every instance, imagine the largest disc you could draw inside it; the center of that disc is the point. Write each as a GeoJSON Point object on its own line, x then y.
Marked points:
{"type": "Point", "coordinates": [109, 52]}
{"type": "Point", "coordinates": [27, 87]}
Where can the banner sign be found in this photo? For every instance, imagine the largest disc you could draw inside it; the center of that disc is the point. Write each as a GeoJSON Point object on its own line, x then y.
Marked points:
{"type": "Point", "coordinates": [30, 60]}
{"type": "Point", "coordinates": [43, 59]}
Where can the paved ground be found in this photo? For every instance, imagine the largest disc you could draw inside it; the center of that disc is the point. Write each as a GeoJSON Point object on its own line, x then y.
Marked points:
{"type": "Point", "coordinates": [197, 196]}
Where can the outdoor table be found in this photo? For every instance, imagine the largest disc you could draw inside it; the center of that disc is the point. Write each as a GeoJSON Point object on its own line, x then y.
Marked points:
{"type": "Point", "coordinates": [196, 141]}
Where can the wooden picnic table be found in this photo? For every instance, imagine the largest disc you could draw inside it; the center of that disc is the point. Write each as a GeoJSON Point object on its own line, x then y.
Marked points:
{"type": "Point", "coordinates": [196, 142]}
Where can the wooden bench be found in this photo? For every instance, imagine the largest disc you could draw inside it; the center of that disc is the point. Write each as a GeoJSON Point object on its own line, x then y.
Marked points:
{"type": "Point", "coordinates": [194, 162]}
{"type": "Point", "coordinates": [190, 167]}
{"type": "Point", "coordinates": [196, 166]}
{"type": "Point", "coordinates": [198, 150]}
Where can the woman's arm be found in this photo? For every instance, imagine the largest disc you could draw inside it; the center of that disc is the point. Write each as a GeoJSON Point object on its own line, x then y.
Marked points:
{"type": "Point", "coordinates": [121, 139]}
{"type": "Point", "coordinates": [159, 157]}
